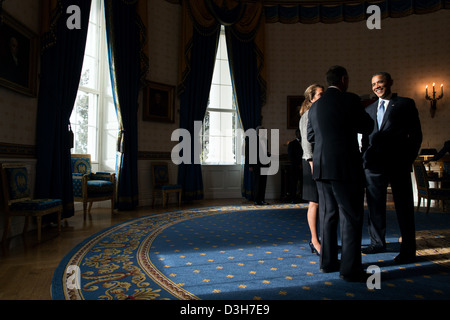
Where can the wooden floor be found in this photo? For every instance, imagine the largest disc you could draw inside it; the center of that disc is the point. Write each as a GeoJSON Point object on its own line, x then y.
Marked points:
{"type": "Point", "coordinates": [26, 267]}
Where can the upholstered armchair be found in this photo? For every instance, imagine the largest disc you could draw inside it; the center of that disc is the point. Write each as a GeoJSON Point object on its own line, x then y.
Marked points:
{"type": "Point", "coordinates": [89, 187]}
{"type": "Point", "coordinates": [18, 201]}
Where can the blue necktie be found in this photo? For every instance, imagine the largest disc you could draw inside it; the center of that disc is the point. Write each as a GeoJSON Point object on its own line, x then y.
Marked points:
{"type": "Point", "coordinates": [380, 113]}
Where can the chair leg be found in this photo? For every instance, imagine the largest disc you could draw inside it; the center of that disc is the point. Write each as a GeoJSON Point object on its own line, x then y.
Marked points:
{"type": "Point", "coordinates": [153, 200]}
{"type": "Point", "coordinates": [179, 198]}
{"type": "Point", "coordinates": [25, 225]}
{"type": "Point", "coordinates": [59, 221]}
{"type": "Point", "coordinates": [84, 209]}
{"type": "Point", "coordinates": [428, 205]}
{"type": "Point", "coordinates": [419, 200]}
{"type": "Point", "coordinates": [7, 227]}
{"type": "Point", "coordinates": [90, 207]}
{"type": "Point", "coordinates": [112, 205]}
{"type": "Point", "coordinates": [39, 226]}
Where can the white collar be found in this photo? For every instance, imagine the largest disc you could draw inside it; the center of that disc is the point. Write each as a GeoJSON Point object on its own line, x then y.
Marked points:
{"type": "Point", "coordinates": [386, 100]}
{"type": "Point", "coordinates": [335, 88]}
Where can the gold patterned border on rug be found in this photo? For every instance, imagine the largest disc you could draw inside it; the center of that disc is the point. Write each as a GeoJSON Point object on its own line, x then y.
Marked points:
{"type": "Point", "coordinates": [434, 245]}
{"type": "Point", "coordinates": [147, 227]}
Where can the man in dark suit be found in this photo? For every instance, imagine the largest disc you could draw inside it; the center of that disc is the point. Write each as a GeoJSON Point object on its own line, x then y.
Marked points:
{"type": "Point", "coordinates": [259, 179]}
{"type": "Point", "coordinates": [334, 123]}
{"type": "Point", "coordinates": [295, 153]}
{"type": "Point", "coordinates": [388, 153]}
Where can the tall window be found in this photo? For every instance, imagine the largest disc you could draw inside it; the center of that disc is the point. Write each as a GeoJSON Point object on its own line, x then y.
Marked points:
{"type": "Point", "coordinates": [220, 145]}
{"type": "Point", "coordinates": [94, 120]}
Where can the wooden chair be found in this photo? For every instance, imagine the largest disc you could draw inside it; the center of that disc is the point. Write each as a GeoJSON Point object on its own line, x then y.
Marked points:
{"type": "Point", "coordinates": [446, 174]}
{"type": "Point", "coordinates": [423, 187]}
{"type": "Point", "coordinates": [89, 187]}
{"type": "Point", "coordinates": [160, 175]}
{"type": "Point", "coordinates": [18, 202]}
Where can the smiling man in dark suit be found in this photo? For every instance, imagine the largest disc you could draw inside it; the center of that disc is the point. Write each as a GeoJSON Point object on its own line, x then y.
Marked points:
{"type": "Point", "coordinates": [388, 153]}
{"type": "Point", "coordinates": [334, 122]}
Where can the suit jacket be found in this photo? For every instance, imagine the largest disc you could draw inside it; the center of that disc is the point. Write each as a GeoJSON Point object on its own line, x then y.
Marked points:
{"type": "Point", "coordinates": [258, 164]}
{"type": "Point", "coordinates": [295, 152]}
{"type": "Point", "coordinates": [334, 123]}
{"type": "Point", "coordinates": [396, 144]}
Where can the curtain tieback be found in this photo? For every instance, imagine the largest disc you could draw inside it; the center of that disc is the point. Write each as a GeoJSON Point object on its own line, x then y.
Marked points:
{"type": "Point", "coordinates": [120, 139]}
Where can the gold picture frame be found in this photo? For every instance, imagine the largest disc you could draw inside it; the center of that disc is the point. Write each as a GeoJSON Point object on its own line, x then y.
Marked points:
{"type": "Point", "coordinates": [159, 103]}
{"type": "Point", "coordinates": [293, 108]}
{"type": "Point", "coordinates": [18, 56]}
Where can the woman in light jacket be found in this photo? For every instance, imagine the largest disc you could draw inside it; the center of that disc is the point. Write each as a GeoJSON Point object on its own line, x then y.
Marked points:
{"type": "Point", "coordinates": [309, 192]}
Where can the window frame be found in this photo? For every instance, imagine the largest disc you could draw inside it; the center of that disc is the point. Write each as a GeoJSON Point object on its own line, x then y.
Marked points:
{"type": "Point", "coordinates": [234, 111]}
{"type": "Point", "coordinates": [102, 90]}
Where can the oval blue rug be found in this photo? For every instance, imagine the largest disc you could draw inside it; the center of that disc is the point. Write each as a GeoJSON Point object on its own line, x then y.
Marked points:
{"type": "Point", "coordinates": [215, 253]}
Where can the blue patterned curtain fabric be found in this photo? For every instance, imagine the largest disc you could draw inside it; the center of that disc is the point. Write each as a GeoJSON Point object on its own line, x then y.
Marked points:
{"type": "Point", "coordinates": [248, 91]}
{"type": "Point", "coordinates": [124, 30]}
{"type": "Point", "coordinates": [61, 64]}
{"type": "Point", "coordinates": [245, 39]}
{"type": "Point", "coordinates": [193, 103]}
{"type": "Point", "coordinates": [349, 11]}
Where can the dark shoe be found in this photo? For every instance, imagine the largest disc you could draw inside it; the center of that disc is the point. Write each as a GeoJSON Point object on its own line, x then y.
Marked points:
{"type": "Point", "coordinates": [261, 203]}
{"type": "Point", "coordinates": [372, 249]}
{"type": "Point", "coordinates": [313, 249]}
{"type": "Point", "coordinates": [357, 277]}
{"type": "Point", "coordinates": [333, 268]}
{"type": "Point", "coordinates": [404, 259]}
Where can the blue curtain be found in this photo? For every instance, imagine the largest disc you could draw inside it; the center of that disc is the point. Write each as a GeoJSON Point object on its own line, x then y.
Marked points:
{"type": "Point", "coordinates": [201, 23]}
{"type": "Point", "coordinates": [247, 84]}
{"type": "Point", "coordinates": [194, 101]}
{"type": "Point", "coordinates": [61, 64]}
{"type": "Point", "coordinates": [124, 34]}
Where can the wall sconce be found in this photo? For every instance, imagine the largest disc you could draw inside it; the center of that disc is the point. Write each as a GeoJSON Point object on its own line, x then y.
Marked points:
{"type": "Point", "coordinates": [433, 99]}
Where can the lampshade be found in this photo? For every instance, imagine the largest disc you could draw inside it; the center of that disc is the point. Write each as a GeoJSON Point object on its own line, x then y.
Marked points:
{"type": "Point", "coordinates": [428, 152]}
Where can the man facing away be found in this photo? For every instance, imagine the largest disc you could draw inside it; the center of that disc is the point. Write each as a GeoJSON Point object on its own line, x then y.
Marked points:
{"type": "Point", "coordinates": [295, 153]}
{"type": "Point", "coordinates": [389, 151]}
{"type": "Point", "coordinates": [334, 123]}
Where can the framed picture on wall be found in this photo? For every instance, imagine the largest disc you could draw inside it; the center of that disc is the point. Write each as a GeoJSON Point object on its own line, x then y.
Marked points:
{"type": "Point", "coordinates": [159, 103]}
{"type": "Point", "coordinates": [293, 109]}
{"type": "Point", "coordinates": [18, 56]}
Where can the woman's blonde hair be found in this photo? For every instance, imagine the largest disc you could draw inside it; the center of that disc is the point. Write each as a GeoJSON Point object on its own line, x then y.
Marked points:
{"type": "Point", "coordinates": [310, 92]}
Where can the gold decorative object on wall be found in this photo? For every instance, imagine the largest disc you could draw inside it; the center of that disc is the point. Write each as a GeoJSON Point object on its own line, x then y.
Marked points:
{"type": "Point", "coordinates": [433, 99]}
{"type": "Point", "coordinates": [158, 102]}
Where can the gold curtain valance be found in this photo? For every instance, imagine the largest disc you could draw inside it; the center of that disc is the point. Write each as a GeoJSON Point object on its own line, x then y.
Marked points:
{"type": "Point", "coordinates": [251, 20]}
{"type": "Point", "coordinates": [246, 21]}
{"type": "Point", "coordinates": [244, 17]}
{"type": "Point", "coordinates": [47, 7]}
{"type": "Point", "coordinates": [52, 10]}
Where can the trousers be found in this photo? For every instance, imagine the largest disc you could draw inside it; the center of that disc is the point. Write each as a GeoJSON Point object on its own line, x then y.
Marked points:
{"type": "Point", "coordinates": [341, 203]}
